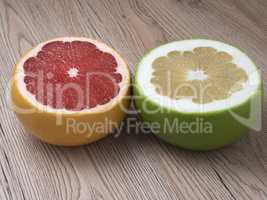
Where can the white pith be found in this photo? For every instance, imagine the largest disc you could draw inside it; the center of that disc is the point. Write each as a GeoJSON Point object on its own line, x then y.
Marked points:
{"type": "Point", "coordinates": [196, 75]}
{"type": "Point", "coordinates": [121, 68]}
{"type": "Point", "coordinates": [145, 70]}
{"type": "Point", "coordinates": [73, 72]}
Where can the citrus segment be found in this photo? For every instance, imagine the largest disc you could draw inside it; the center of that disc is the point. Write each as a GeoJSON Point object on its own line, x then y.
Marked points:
{"type": "Point", "coordinates": [78, 63]}
{"type": "Point", "coordinates": [203, 74]}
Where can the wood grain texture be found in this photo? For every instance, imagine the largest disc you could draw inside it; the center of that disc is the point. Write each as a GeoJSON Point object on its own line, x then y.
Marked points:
{"type": "Point", "coordinates": [131, 166]}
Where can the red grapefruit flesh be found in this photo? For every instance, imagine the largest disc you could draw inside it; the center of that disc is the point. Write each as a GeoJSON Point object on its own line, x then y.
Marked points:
{"type": "Point", "coordinates": [77, 64]}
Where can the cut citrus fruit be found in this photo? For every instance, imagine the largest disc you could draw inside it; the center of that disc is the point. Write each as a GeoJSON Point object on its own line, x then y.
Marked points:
{"type": "Point", "coordinates": [198, 92]}
{"type": "Point", "coordinates": [71, 90]}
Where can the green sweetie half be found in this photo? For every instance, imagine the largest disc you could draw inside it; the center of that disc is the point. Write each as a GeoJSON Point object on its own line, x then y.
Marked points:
{"type": "Point", "coordinates": [198, 94]}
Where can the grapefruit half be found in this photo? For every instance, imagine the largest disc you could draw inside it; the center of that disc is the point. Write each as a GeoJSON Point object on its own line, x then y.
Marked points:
{"type": "Point", "coordinates": [71, 90]}
{"type": "Point", "coordinates": [198, 94]}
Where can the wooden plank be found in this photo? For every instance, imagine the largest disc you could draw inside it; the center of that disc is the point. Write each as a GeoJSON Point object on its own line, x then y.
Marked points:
{"type": "Point", "coordinates": [132, 166]}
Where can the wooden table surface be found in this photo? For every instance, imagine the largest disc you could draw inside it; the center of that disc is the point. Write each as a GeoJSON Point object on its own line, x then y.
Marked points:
{"type": "Point", "coordinates": [131, 166]}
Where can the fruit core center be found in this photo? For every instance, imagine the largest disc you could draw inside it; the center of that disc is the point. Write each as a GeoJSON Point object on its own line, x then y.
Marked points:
{"type": "Point", "coordinates": [73, 72]}
{"type": "Point", "coordinates": [72, 75]}
{"type": "Point", "coordinates": [202, 75]}
{"type": "Point", "coordinates": [196, 75]}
